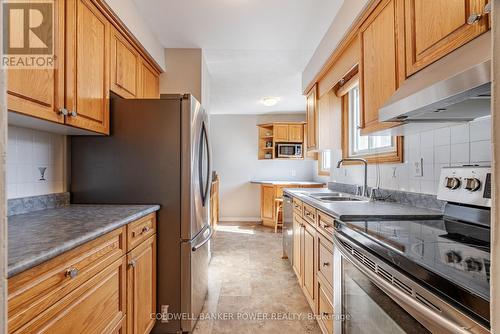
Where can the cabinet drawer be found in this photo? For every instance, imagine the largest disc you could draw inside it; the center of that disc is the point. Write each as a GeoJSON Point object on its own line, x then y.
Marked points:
{"type": "Point", "coordinates": [297, 207]}
{"type": "Point", "coordinates": [36, 290]}
{"type": "Point", "coordinates": [96, 306]}
{"type": "Point", "coordinates": [326, 225]}
{"type": "Point", "coordinates": [325, 260]}
{"type": "Point", "coordinates": [309, 214]}
{"type": "Point", "coordinates": [140, 230]}
{"type": "Point", "coordinates": [325, 309]}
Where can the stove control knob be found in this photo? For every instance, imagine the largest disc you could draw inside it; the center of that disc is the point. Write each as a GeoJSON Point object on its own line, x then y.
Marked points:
{"type": "Point", "coordinates": [452, 183]}
{"type": "Point", "coordinates": [453, 257]}
{"type": "Point", "coordinates": [472, 184]}
{"type": "Point", "coordinates": [472, 264]}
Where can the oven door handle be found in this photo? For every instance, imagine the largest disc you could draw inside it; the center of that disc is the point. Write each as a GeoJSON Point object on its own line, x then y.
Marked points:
{"type": "Point", "coordinates": [416, 309]}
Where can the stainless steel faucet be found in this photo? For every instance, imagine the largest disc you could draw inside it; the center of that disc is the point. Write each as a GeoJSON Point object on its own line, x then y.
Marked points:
{"type": "Point", "coordinates": [365, 183]}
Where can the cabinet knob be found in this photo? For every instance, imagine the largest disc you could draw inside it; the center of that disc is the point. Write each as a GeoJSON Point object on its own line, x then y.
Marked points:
{"type": "Point", "coordinates": [326, 264]}
{"type": "Point", "coordinates": [71, 272]}
{"type": "Point", "coordinates": [63, 111]}
{"type": "Point", "coordinates": [474, 18]}
{"type": "Point", "coordinates": [73, 113]}
{"type": "Point", "coordinates": [132, 263]}
{"type": "Point", "coordinates": [146, 229]}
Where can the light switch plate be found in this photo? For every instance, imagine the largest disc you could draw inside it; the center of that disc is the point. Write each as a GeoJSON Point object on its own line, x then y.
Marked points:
{"type": "Point", "coordinates": [417, 168]}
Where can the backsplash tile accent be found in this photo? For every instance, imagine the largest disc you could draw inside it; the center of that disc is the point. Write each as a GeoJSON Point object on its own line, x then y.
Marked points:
{"type": "Point", "coordinates": [402, 197]}
{"type": "Point", "coordinates": [452, 145]}
{"type": "Point", "coordinates": [17, 206]}
{"type": "Point", "coordinates": [28, 152]}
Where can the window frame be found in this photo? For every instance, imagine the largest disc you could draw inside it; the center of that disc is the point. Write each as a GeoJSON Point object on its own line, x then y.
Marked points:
{"type": "Point", "coordinates": [321, 171]}
{"type": "Point", "coordinates": [395, 156]}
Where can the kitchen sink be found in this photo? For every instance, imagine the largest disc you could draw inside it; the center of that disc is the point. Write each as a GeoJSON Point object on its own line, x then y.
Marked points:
{"type": "Point", "coordinates": [325, 194]}
{"type": "Point", "coordinates": [338, 199]}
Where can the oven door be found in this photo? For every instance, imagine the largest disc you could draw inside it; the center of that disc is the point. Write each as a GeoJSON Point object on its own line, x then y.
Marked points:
{"type": "Point", "coordinates": [372, 297]}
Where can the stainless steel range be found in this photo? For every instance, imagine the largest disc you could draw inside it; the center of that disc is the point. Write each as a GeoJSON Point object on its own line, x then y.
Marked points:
{"type": "Point", "coordinates": [419, 276]}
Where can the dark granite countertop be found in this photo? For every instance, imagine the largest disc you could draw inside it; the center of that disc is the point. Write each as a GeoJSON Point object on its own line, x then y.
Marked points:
{"type": "Point", "coordinates": [347, 210]}
{"type": "Point", "coordinates": [39, 236]}
{"type": "Point", "coordinates": [286, 182]}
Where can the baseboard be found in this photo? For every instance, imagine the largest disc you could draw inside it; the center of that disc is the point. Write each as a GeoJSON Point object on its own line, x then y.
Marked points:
{"type": "Point", "coordinates": [240, 219]}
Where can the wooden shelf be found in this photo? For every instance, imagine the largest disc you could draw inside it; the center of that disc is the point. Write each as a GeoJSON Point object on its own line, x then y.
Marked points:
{"type": "Point", "coordinates": [267, 137]}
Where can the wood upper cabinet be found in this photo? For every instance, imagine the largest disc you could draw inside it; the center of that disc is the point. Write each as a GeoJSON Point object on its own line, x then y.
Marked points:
{"type": "Point", "coordinates": [281, 132]}
{"type": "Point", "coordinates": [149, 81]}
{"type": "Point", "coordinates": [87, 74]}
{"type": "Point", "coordinates": [40, 92]}
{"type": "Point", "coordinates": [141, 287]}
{"type": "Point", "coordinates": [436, 28]}
{"type": "Point", "coordinates": [312, 118]}
{"type": "Point", "coordinates": [296, 133]}
{"type": "Point", "coordinates": [125, 66]}
{"type": "Point", "coordinates": [382, 61]}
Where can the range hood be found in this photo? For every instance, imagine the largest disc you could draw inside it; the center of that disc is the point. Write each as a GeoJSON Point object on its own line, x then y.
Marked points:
{"type": "Point", "coordinates": [457, 88]}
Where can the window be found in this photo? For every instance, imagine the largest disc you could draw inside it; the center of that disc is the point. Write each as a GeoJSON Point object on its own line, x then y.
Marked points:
{"type": "Point", "coordinates": [375, 149]}
{"type": "Point", "coordinates": [324, 162]}
{"type": "Point", "coordinates": [363, 145]}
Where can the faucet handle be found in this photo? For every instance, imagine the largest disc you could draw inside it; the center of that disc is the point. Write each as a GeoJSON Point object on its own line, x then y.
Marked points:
{"type": "Point", "coordinates": [359, 190]}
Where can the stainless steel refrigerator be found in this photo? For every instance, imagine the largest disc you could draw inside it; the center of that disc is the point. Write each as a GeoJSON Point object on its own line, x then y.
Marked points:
{"type": "Point", "coordinates": [158, 152]}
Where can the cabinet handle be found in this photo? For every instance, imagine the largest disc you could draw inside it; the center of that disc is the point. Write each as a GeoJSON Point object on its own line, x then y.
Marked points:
{"type": "Point", "coordinates": [474, 18]}
{"type": "Point", "coordinates": [325, 314]}
{"type": "Point", "coordinates": [145, 229]}
{"type": "Point", "coordinates": [326, 264]}
{"type": "Point", "coordinates": [132, 263]}
{"type": "Point", "coordinates": [63, 111]}
{"type": "Point", "coordinates": [71, 272]}
{"type": "Point", "coordinates": [73, 113]}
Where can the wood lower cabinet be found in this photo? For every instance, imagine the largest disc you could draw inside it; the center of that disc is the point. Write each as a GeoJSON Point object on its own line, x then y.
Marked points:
{"type": "Point", "coordinates": [297, 247]}
{"type": "Point", "coordinates": [436, 28]}
{"type": "Point", "coordinates": [325, 308]}
{"type": "Point", "coordinates": [141, 287]}
{"type": "Point", "coordinates": [308, 258]}
{"type": "Point", "coordinates": [94, 288]}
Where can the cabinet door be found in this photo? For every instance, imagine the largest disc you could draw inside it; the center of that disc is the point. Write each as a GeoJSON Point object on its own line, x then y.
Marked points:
{"type": "Point", "coordinates": [267, 202]}
{"type": "Point", "coordinates": [150, 82]}
{"type": "Point", "coordinates": [309, 271]}
{"type": "Point", "coordinates": [125, 66]}
{"type": "Point", "coordinates": [296, 133]}
{"type": "Point", "coordinates": [297, 265]}
{"type": "Point", "coordinates": [141, 287]}
{"type": "Point", "coordinates": [40, 92]}
{"type": "Point", "coordinates": [380, 62]}
{"type": "Point", "coordinates": [436, 28]}
{"type": "Point", "coordinates": [281, 132]}
{"type": "Point", "coordinates": [312, 118]}
{"type": "Point", "coordinates": [87, 78]}
{"type": "Point", "coordinates": [97, 306]}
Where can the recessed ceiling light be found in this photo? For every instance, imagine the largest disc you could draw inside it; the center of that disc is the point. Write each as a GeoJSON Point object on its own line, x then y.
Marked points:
{"type": "Point", "coordinates": [269, 101]}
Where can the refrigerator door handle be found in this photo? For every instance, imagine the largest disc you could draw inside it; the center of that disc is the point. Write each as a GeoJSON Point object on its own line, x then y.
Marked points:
{"type": "Point", "coordinates": [204, 148]}
{"type": "Point", "coordinates": [207, 238]}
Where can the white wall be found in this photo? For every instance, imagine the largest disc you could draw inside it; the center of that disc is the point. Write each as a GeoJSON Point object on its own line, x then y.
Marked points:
{"type": "Point", "coordinates": [27, 150]}
{"type": "Point", "coordinates": [344, 19]}
{"type": "Point", "coordinates": [129, 15]}
{"type": "Point", "coordinates": [455, 145]}
{"type": "Point", "coordinates": [235, 147]}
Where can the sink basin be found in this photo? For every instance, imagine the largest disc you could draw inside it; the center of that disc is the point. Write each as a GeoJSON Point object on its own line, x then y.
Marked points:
{"type": "Point", "coordinates": [328, 194]}
{"type": "Point", "coordinates": [338, 199]}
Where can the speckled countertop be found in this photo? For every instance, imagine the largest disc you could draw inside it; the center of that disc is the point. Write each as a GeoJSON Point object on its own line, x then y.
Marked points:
{"type": "Point", "coordinates": [346, 210]}
{"type": "Point", "coordinates": [38, 236]}
{"type": "Point", "coordinates": [285, 182]}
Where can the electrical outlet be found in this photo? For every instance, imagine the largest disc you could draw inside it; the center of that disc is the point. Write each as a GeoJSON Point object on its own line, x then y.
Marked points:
{"type": "Point", "coordinates": [417, 168]}
{"type": "Point", "coordinates": [293, 172]}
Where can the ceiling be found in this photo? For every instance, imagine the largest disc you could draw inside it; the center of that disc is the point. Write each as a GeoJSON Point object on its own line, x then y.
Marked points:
{"type": "Point", "coordinates": [253, 48]}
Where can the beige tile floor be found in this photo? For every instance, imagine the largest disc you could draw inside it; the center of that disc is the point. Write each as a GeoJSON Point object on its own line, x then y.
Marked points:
{"type": "Point", "coordinates": [248, 278]}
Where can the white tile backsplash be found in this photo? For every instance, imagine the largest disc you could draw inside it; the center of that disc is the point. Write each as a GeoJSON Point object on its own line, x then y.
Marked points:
{"type": "Point", "coordinates": [452, 145]}
{"type": "Point", "coordinates": [27, 151]}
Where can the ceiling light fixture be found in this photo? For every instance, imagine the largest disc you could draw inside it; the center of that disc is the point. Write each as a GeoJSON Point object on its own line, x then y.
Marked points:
{"type": "Point", "coordinates": [269, 101]}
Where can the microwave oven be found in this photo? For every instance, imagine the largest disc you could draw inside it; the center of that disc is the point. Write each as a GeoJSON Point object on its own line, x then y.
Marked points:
{"type": "Point", "coordinates": [289, 150]}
